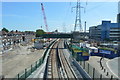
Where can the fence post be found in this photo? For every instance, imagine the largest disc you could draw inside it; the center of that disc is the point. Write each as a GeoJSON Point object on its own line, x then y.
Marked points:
{"type": "Point", "coordinates": [93, 73]}
{"type": "Point", "coordinates": [101, 77]}
{"type": "Point", "coordinates": [31, 68]}
{"type": "Point", "coordinates": [88, 68]}
{"type": "Point", "coordinates": [39, 62]}
{"type": "Point", "coordinates": [42, 60]}
{"type": "Point", "coordinates": [36, 64]}
{"type": "Point", "coordinates": [18, 76]}
{"type": "Point", "coordinates": [107, 74]}
{"type": "Point", "coordinates": [25, 73]}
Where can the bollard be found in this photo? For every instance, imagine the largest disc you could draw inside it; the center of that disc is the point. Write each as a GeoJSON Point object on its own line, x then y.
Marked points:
{"type": "Point", "coordinates": [93, 73]}
{"type": "Point", "coordinates": [101, 77]}
{"type": "Point", "coordinates": [88, 68]}
{"type": "Point", "coordinates": [18, 76]}
{"type": "Point", "coordinates": [31, 68]}
{"type": "Point", "coordinates": [111, 77]}
{"type": "Point", "coordinates": [107, 74]}
{"type": "Point", "coordinates": [104, 70]}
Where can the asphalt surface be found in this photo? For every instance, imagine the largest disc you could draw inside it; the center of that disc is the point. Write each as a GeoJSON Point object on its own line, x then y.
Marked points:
{"type": "Point", "coordinates": [113, 66]}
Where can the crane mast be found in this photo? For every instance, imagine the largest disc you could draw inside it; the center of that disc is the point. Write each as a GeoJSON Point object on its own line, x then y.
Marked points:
{"type": "Point", "coordinates": [45, 19]}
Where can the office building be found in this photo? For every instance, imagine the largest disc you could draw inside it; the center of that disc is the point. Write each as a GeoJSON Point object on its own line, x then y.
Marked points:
{"type": "Point", "coordinates": [118, 15]}
{"type": "Point", "coordinates": [105, 31]}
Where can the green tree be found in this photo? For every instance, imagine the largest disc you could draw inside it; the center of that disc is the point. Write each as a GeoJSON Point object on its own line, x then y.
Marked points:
{"type": "Point", "coordinates": [39, 32]}
{"type": "Point", "coordinates": [6, 30]}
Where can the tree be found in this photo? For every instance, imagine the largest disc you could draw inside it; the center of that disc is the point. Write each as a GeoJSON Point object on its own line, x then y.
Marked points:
{"type": "Point", "coordinates": [39, 32]}
{"type": "Point", "coordinates": [6, 30]}
{"type": "Point", "coordinates": [16, 31]}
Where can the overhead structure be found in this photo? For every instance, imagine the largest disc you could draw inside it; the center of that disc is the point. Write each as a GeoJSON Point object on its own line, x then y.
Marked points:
{"type": "Point", "coordinates": [78, 17]}
{"type": "Point", "coordinates": [45, 19]}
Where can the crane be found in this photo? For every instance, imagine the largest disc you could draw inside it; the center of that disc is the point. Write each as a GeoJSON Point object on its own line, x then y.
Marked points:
{"type": "Point", "coordinates": [45, 19]}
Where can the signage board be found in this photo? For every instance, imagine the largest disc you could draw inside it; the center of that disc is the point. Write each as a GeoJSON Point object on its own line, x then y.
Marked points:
{"type": "Point", "coordinates": [104, 51]}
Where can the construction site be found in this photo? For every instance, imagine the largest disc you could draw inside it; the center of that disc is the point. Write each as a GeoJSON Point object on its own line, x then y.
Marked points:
{"type": "Point", "coordinates": [47, 52]}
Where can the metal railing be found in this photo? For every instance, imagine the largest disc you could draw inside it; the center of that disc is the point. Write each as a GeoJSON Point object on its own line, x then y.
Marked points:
{"type": "Point", "coordinates": [28, 71]}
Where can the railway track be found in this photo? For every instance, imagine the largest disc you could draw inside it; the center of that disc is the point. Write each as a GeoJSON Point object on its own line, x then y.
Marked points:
{"type": "Point", "coordinates": [57, 65]}
{"type": "Point", "coordinates": [66, 65]}
{"type": "Point", "coordinates": [52, 71]}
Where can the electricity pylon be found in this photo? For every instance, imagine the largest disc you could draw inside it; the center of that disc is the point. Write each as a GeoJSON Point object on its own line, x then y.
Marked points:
{"type": "Point", "coordinates": [78, 16]}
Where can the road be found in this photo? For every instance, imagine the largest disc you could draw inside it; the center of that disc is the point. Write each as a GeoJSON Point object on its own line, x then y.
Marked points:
{"type": "Point", "coordinates": [113, 66]}
{"type": "Point", "coordinates": [110, 66]}
{"type": "Point", "coordinates": [94, 61]}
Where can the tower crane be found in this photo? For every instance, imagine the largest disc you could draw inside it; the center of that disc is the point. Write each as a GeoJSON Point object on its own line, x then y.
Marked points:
{"type": "Point", "coordinates": [45, 19]}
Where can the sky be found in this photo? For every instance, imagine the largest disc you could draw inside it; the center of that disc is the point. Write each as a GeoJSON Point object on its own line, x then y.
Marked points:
{"type": "Point", "coordinates": [28, 16]}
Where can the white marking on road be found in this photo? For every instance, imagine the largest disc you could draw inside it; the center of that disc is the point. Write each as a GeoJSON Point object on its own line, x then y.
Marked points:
{"type": "Point", "coordinates": [110, 69]}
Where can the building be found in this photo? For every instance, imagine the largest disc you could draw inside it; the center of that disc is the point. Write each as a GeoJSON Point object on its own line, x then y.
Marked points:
{"type": "Point", "coordinates": [29, 33]}
{"type": "Point", "coordinates": [105, 31]}
{"type": "Point", "coordinates": [118, 15]}
{"type": "Point", "coordinates": [14, 33]}
{"type": "Point", "coordinates": [4, 33]}
{"type": "Point", "coordinates": [95, 32]}
{"type": "Point", "coordinates": [118, 18]}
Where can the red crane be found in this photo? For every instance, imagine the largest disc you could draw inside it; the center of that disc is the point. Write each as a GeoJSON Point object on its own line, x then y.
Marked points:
{"type": "Point", "coordinates": [45, 19]}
